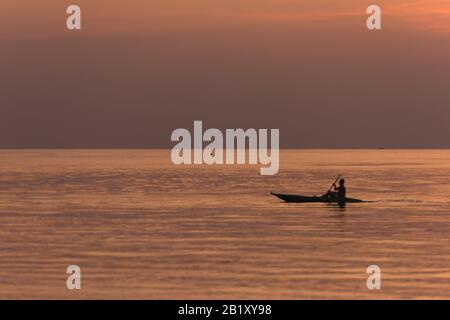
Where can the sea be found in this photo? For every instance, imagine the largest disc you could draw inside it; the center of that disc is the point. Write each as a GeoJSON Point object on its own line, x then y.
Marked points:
{"type": "Point", "coordinates": [140, 227]}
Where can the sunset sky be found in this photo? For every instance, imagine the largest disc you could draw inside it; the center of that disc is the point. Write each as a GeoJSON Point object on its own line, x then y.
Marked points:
{"type": "Point", "coordinates": [139, 69]}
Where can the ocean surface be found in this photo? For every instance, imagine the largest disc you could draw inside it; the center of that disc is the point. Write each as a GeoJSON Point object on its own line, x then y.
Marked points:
{"type": "Point", "coordinates": [140, 227]}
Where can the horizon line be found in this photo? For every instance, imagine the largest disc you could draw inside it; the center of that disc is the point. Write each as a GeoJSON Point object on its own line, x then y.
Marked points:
{"type": "Point", "coordinates": [290, 148]}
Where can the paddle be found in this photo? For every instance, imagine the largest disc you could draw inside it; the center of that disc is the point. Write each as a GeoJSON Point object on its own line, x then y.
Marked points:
{"type": "Point", "coordinates": [334, 183]}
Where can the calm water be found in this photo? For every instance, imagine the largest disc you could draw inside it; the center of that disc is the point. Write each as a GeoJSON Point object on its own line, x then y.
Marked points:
{"type": "Point", "coordinates": [140, 227]}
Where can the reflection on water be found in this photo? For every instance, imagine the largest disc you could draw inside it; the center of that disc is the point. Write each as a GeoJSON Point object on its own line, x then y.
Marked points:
{"type": "Point", "coordinates": [140, 227]}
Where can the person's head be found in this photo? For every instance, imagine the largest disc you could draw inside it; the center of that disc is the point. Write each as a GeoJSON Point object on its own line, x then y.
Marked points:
{"type": "Point", "coordinates": [341, 182]}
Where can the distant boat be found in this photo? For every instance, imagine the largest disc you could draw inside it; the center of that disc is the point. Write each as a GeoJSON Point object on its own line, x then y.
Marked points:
{"type": "Point", "coordinates": [312, 199]}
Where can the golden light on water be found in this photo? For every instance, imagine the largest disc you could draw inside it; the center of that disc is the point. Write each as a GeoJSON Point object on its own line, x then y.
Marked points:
{"type": "Point", "coordinates": [141, 227]}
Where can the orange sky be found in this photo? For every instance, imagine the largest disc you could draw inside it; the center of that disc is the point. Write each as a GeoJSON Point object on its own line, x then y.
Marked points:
{"type": "Point", "coordinates": [45, 17]}
{"type": "Point", "coordinates": [139, 69]}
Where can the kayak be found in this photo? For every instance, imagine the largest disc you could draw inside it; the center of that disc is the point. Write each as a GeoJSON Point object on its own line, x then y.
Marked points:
{"type": "Point", "coordinates": [312, 199]}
